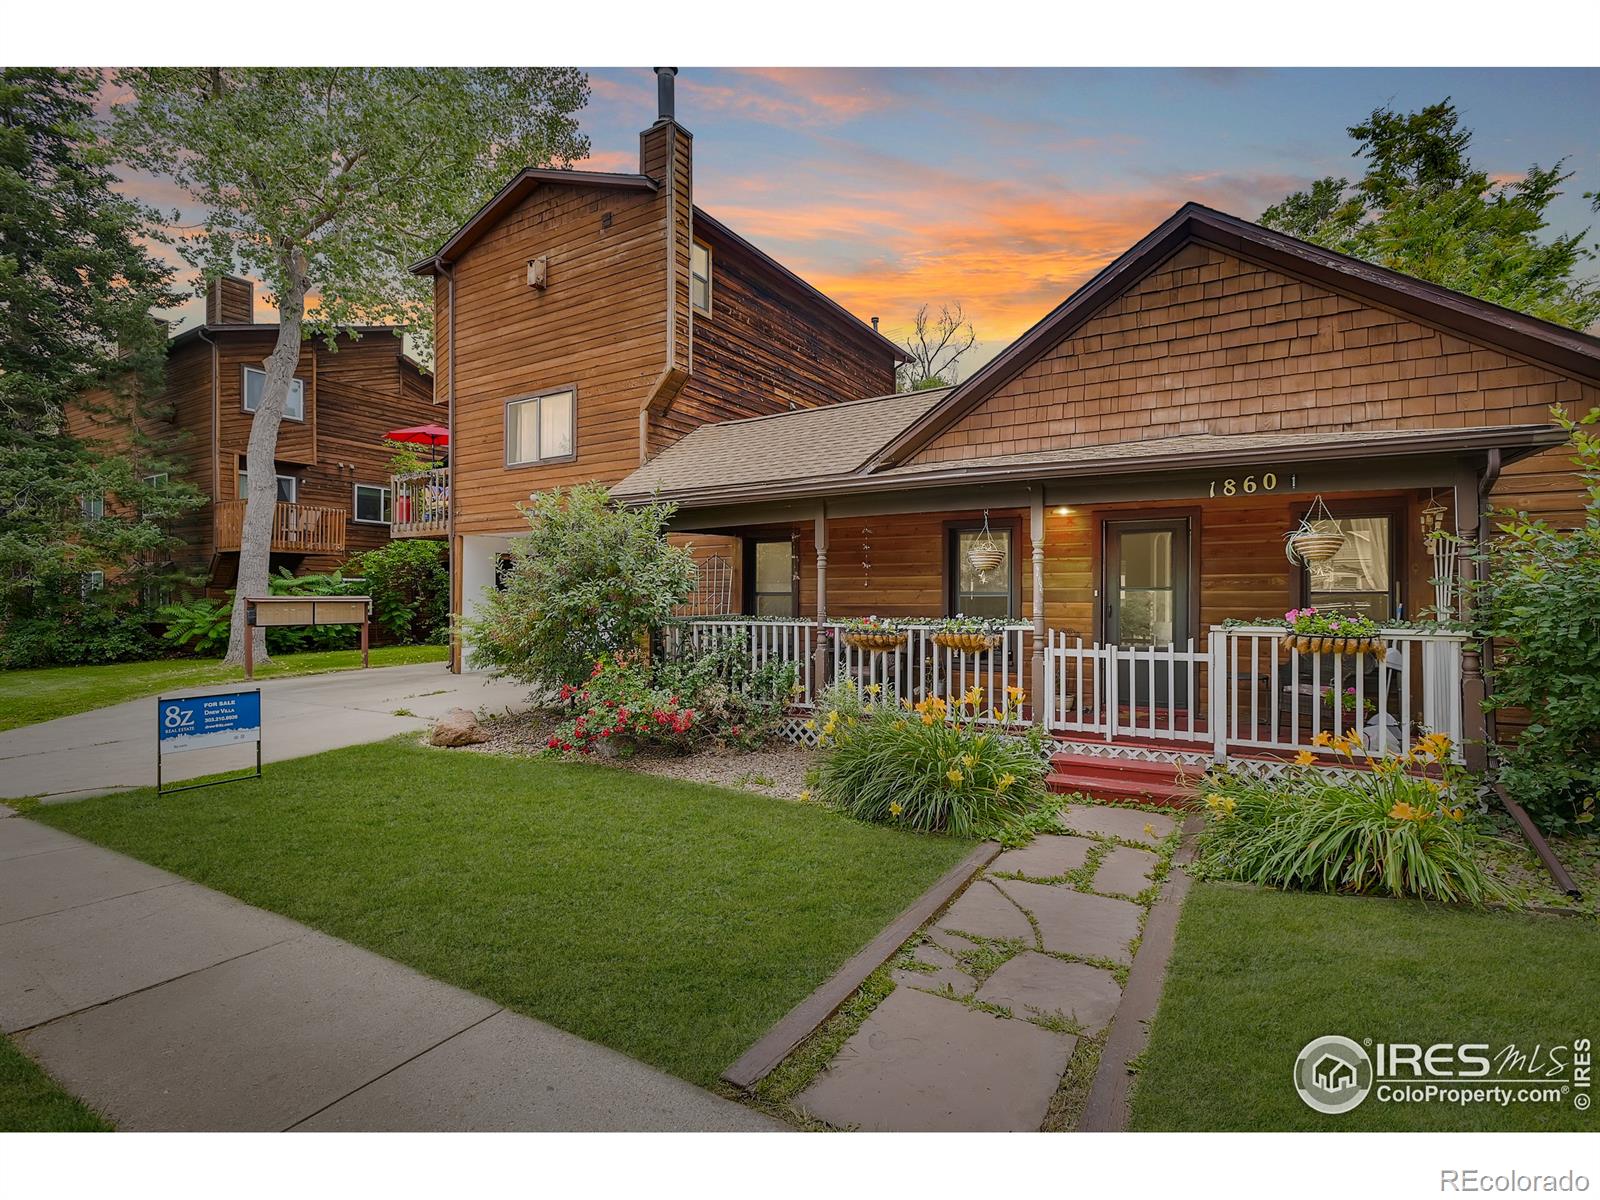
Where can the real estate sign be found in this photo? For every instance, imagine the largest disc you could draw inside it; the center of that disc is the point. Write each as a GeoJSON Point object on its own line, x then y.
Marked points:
{"type": "Point", "coordinates": [199, 722]}
{"type": "Point", "coordinates": [203, 722]}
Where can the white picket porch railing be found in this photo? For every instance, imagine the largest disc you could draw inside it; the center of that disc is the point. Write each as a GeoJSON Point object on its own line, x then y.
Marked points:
{"type": "Point", "coordinates": [1150, 692]}
{"type": "Point", "coordinates": [919, 670]}
{"type": "Point", "coordinates": [1266, 697]}
{"type": "Point", "coordinates": [787, 641]}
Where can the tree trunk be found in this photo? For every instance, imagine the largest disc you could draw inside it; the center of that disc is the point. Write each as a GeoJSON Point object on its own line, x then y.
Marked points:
{"type": "Point", "coordinates": [255, 538]}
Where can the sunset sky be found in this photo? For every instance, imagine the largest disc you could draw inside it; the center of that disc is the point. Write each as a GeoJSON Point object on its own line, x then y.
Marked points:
{"type": "Point", "coordinates": [1006, 189]}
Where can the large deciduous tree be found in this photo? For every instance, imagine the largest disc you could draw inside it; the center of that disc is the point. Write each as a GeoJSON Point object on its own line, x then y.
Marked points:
{"type": "Point", "coordinates": [1424, 208]}
{"type": "Point", "coordinates": [935, 348]}
{"type": "Point", "coordinates": [326, 182]}
{"type": "Point", "coordinates": [78, 282]}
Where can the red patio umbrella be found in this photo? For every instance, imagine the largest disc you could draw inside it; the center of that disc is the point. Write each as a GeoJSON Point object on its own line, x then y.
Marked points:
{"type": "Point", "coordinates": [431, 436]}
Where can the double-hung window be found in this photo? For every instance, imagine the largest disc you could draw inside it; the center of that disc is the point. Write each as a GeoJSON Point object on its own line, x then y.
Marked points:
{"type": "Point", "coordinates": [255, 383]}
{"type": "Point", "coordinates": [986, 593]}
{"type": "Point", "coordinates": [93, 507]}
{"type": "Point", "coordinates": [288, 486]}
{"type": "Point", "coordinates": [700, 277]}
{"type": "Point", "coordinates": [371, 504]}
{"type": "Point", "coordinates": [541, 428]}
{"type": "Point", "coordinates": [1361, 577]}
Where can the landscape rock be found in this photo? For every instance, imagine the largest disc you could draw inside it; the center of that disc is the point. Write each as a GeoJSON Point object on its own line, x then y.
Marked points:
{"type": "Point", "coordinates": [458, 727]}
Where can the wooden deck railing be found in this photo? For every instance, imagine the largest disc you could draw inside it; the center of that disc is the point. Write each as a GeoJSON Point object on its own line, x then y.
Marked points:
{"type": "Point", "coordinates": [420, 504]}
{"type": "Point", "coordinates": [296, 528]}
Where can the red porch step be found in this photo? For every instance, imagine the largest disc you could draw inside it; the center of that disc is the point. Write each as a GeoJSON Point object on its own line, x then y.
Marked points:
{"type": "Point", "coordinates": [1120, 779]}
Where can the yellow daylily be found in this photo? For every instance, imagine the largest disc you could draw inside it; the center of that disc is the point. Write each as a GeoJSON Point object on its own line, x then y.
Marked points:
{"type": "Point", "coordinates": [1305, 758]}
{"type": "Point", "coordinates": [896, 808]}
{"type": "Point", "coordinates": [1323, 739]}
{"type": "Point", "coordinates": [805, 794]}
{"type": "Point", "coordinates": [954, 775]}
{"type": "Point", "coordinates": [874, 688]}
{"type": "Point", "coordinates": [969, 761]}
{"type": "Point", "coordinates": [1005, 781]}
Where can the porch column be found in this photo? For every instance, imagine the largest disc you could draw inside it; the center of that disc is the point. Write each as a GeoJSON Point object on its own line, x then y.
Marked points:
{"type": "Point", "coordinates": [1036, 527]}
{"type": "Point", "coordinates": [819, 665]}
{"type": "Point", "coordinates": [1473, 726]}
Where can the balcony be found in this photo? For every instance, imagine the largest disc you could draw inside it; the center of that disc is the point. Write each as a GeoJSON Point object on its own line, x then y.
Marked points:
{"type": "Point", "coordinates": [296, 528]}
{"type": "Point", "coordinates": [420, 504]}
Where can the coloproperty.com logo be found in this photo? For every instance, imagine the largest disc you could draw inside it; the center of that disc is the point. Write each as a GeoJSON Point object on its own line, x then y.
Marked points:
{"type": "Point", "coordinates": [1334, 1074]}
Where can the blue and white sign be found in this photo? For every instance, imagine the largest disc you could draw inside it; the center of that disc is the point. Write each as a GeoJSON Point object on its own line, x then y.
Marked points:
{"type": "Point", "coordinates": [200, 722]}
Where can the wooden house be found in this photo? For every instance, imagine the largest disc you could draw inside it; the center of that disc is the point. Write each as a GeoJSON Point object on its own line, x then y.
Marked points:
{"type": "Point", "coordinates": [332, 466]}
{"type": "Point", "coordinates": [1137, 459]}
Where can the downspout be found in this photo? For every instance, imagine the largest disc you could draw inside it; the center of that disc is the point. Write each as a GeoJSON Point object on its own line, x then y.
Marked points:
{"type": "Point", "coordinates": [1480, 573]}
{"type": "Point", "coordinates": [216, 446]}
{"type": "Point", "coordinates": [456, 563]}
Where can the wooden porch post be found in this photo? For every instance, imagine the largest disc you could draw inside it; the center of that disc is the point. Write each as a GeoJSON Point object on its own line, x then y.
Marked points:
{"type": "Point", "coordinates": [820, 654]}
{"type": "Point", "coordinates": [1036, 528]}
{"type": "Point", "coordinates": [1473, 726]}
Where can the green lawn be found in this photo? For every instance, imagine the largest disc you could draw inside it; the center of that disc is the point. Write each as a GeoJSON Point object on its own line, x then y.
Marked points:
{"type": "Point", "coordinates": [40, 695]}
{"type": "Point", "coordinates": [31, 1102]}
{"type": "Point", "coordinates": [673, 921]}
{"type": "Point", "coordinates": [1255, 975]}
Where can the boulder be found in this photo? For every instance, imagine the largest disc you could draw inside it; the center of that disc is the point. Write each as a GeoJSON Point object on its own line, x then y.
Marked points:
{"type": "Point", "coordinates": [458, 727]}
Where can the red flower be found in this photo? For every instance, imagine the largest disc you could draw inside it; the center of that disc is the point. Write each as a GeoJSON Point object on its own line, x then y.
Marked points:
{"type": "Point", "coordinates": [553, 742]}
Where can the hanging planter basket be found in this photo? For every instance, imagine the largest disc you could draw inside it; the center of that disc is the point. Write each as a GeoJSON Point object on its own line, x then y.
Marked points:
{"type": "Point", "coordinates": [967, 643]}
{"type": "Point", "coordinates": [1314, 644]}
{"type": "Point", "coordinates": [878, 641]}
{"type": "Point", "coordinates": [985, 554]}
{"type": "Point", "coordinates": [1317, 539]}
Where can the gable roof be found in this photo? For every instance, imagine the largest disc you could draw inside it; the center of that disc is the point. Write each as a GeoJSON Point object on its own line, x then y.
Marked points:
{"type": "Point", "coordinates": [805, 444]}
{"type": "Point", "coordinates": [1565, 350]}
{"type": "Point", "coordinates": [508, 197]}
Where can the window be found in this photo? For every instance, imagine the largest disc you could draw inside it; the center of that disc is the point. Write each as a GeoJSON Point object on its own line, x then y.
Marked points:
{"type": "Point", "coordinates": [255, 379]}
{"type": "Point", "coordinates": [540, 428]}
{"type": "Point", "coordinates": [158, 480]}
{"type": "Point", "coordinates": [91, 581]}
{"type": "Point", "coordinates": [372, 504]}
{"type": "Point", "coordinates": [770, 578]}
{"type": "Point", "coordinates": [94, 507]}
{"type": "Point", "coordinates": [975, 593]}
{"type": "Point", "coordinates": [1360, 578]}
{"type": "Point", "coordinates": [700, 276]}
{"type": "Point", "coordinates": [288, 486]}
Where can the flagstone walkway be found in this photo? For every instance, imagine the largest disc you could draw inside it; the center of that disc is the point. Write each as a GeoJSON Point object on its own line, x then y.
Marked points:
{"type": "Point", "coordinates": [1021, 972]}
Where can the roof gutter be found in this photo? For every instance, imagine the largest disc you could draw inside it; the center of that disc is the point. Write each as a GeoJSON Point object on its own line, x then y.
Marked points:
{"type": "Point", "coordinates": [1430, 442]}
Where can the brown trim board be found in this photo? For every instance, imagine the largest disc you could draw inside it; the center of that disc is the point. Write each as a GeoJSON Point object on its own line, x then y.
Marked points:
{"type": "Point", "coordinates": [805, 1018]}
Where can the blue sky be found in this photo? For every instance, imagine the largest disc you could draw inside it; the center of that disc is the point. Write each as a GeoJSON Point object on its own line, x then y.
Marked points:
{"type": "Point", "coordinates": [1004, 189]}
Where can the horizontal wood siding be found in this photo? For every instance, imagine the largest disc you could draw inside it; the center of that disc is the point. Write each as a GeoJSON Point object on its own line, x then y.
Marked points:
{"type": "Point", "coordinates": [598, 326]}
{"type": "Point", "coordinates": [1210, 342]}
{"type": "Point", "coordinates": [767, 346]}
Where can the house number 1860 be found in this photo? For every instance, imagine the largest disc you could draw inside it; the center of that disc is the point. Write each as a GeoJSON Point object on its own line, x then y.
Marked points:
{"type": "Point", "coordinates": [1249, 485]}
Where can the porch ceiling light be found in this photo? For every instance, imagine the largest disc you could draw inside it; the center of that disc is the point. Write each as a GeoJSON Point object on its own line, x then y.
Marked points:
{"type": "Point", "coordinates": [1063, 510]}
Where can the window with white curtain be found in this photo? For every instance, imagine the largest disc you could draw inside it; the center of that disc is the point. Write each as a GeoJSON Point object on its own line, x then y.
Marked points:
{"type": "Point", "coordinates": [1360, 578]}
{"type": "Point", "coordinates": [540, 428]}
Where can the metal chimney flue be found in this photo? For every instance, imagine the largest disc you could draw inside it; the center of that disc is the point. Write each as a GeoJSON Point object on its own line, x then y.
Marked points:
{"type": "Point", "coordinates": [665, 105]}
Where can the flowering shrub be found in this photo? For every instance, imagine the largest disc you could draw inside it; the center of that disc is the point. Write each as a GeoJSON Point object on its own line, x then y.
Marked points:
{"type": "Point", "coordinates": [621, 705]}
{"type": "Point", "coordinates": [872, 624]}
{"type": "Point", "coordinates": [1387, 830]}
{"type": "Point", "coordinates": [965, 624]}
{"type": "Point", "coordinates": [1347, 700]}
{"type": "Point", "coordinates": [1309, 622]}
{"type": "Point", "coordinates": [739, 705]}
{"type": "Point", "coordinates": [932, 766]}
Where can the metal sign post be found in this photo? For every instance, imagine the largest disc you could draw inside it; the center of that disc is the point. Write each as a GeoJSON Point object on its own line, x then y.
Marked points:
{"type": "Point", "coordinates": [185, 723]}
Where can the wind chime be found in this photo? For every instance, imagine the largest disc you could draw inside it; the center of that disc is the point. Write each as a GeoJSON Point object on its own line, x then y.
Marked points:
{"type": "Point", "coordinates": [985, 554]}
{"type": "Point", "coordinates": [1444, 548]}
{"type": "Point", "coordinates": [866, 557]}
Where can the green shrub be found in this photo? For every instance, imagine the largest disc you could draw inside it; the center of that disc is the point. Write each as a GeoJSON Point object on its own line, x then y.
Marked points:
{"type": "Point", "coordinates": [1381, 831]}
{"type": "Point", "coordinates": [589, 580]}
{"type": "Point", "coordinates": [409, 582]}
{"type": "Point", "coordinates": [622, 705]}
{"type": "Point", "coordinates": [198, 625]}
{"type": "Point", "coordinates": [740, 705]}
{"type": "Point", "coordinates": [80, 630]}
{"type": "Point", "coordinates": [1538, 603]}
{"type": "Point", "coordinates": [932, 767]}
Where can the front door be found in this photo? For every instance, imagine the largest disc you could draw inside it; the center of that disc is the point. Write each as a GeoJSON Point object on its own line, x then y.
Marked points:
{"type": "Point", "coordinates": [1146, 596]}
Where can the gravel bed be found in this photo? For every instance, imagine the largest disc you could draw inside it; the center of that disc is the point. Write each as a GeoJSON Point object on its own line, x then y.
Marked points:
{"type": "Point", "coordinates": [777, 769]}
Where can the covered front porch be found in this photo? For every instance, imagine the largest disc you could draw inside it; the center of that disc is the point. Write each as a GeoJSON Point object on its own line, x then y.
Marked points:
{"type": "Point", "coordinates": [1142, 618]}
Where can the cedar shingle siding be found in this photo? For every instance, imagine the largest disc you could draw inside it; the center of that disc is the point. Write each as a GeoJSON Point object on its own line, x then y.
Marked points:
{"type": "Point", "coordinates": [1212, 343]}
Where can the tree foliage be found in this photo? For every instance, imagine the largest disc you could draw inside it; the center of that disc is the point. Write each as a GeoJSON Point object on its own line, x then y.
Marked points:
{"type": "Point", "coordinates": [1538, 603]}
{"type": "Point", "coordinates": [409, 582]}
{"type": "Point", "coordinates": [77, 285]}
{"type": "Point", "coordinates": [935, 348]}
{"type": "Point", "coordinates": [588, 580]}
{"type": "Point", "coordinates": [1424, 208]}
{"type": "Point", "coordinates": [327, 183]}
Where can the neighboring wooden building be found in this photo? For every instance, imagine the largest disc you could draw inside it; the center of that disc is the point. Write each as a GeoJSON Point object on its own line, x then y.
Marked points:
{"type": "Point", "coordinates": [586, 321]}
{"type": "Point", "coordinates": [333, 468]}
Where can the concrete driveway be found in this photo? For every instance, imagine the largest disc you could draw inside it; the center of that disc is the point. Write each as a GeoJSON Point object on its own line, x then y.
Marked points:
{"type": "Point", "coordinates": [114, 748]}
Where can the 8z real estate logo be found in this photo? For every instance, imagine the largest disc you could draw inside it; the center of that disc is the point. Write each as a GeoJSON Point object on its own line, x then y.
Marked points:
{"type": "Point", "coordinates": [1334, 1074]}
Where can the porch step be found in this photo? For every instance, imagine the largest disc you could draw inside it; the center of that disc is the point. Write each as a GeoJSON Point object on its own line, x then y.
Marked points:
{"type": "Point", "coordinates": [1111, 779]}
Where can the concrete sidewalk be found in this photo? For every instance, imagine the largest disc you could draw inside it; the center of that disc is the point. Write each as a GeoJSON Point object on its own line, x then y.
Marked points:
{"type": "Point", "coordinates": [168, 1006]}
{"type": "Point", "coordinates": [114, 748]}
